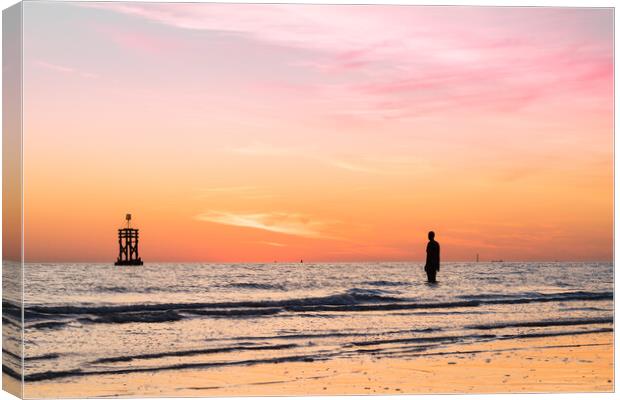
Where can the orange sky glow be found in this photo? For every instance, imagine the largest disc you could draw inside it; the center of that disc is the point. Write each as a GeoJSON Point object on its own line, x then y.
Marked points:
{"type": "Point", "coordinates": [254, 133]}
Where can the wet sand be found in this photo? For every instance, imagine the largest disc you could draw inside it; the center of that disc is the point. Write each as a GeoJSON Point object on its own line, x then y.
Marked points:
{"type": "Point", "coordinates": [11, 385]}
{"type": "Point", "coordinates": [580, 363]}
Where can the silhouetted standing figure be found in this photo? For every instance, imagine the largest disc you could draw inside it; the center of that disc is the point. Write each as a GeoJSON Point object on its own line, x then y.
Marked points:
{"type": "Point", "coordinates": [432, 258]}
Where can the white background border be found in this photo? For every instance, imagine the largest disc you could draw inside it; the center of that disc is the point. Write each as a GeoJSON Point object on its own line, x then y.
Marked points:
{"type": "Point", "coordinates": [540, 3]}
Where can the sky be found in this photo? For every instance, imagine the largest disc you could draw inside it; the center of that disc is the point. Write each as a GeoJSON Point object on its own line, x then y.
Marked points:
{"type": "Point", "coordinates": [256, 133]}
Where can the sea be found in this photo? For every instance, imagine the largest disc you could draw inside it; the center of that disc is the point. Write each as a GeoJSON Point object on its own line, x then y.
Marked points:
{"type": "Point", "coordinates": [100, 319]}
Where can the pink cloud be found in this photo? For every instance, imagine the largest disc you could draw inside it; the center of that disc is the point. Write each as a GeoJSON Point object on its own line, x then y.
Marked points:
{"type": "Point", "coordinates": [135, 39]}
{"type": "Point", "coordinates": [65, 69]}
{"type": "Point", "coordinates": [55, 67]}
{"type": "Point", "coordinates": [414, 58]}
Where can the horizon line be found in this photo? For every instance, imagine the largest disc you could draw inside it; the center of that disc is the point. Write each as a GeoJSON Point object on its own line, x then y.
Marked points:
{"type": "Point", "coordinates": [311, 261]}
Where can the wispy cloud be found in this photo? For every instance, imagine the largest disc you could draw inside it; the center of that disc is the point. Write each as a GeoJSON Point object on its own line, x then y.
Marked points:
{"type": "Point", "coordinates": [390, 165]}
{"type": "Point", "coordinates": [263, 149]}
{"type": "Point", "coordinates": [274, 244]}
{"type": "Point", "coordinates": [349, 166]}
{"type": "Point", "coordinates": [385, 165]}
{"type": "Point", "coordinates": [246, 192]}
{"type": "Point", "coordinates": [278, 222]}
{"type": "Point", "coordinates": [64, 69]}
{"type": "Point", "coordinates": [229, 189]}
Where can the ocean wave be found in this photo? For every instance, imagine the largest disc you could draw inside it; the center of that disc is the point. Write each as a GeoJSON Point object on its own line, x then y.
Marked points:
{"type": "Point", "coordinates": [193, 352]}
{"type": "Point", "coordinates": [78, 372]}
{"type": "Point", "coordinates": [257, 286]}
{"type": "Point", "coordinates": [143, 317]}
{"type": "Point", "coordinates": [350, 297]}
{"type": "Point", "coordinates": [353, 300]}
{"type": "Point", "coordinates": [543, 324]}
{"type": "Point", "coordinates": [425, 339]}
{"type": "Point", "coordinates": [11, 309]}
{"type": "Point", "coordinates": [10, 321]}
{"type": "Point", "coordinates": [551, 334]}
{"type": "Point", "coordinates": [114, 289]}
{"type": "Point", "coordinates": [10, 372]}
{"type": "Point", "coordinates": [414, 351]}
{"type": "Point", "coordinates": [536, 296]}
{"type": "Point", "coordinates": [50, 356]}
{"type": "Point", "coordinates": [384, 283]}
{"type": "Point", "coordinates": [295, 336]}
{"type": "Point", "coordinates": [235, 312]}
{"type": "Point", "coordinates": [48, 325]}
{"type": "Point", "coordinates": [11, 354]}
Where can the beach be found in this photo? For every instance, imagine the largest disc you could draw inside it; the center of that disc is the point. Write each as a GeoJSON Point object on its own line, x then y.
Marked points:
{"type": "Point", "coordinates": [581, 363]}
{"type": "Point", "coordinates": [316, 328]}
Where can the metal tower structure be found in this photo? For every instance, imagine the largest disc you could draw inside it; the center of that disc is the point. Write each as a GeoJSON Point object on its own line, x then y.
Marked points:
{"type": "Point", "coordinates": [128, 245]}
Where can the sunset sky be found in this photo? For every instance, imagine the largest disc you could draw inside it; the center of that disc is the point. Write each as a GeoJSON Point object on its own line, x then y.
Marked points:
{"type": "Point", "coordinates": [345, 133]}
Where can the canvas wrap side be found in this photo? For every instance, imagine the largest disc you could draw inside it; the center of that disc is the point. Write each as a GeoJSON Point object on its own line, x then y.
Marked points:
{"type": "Point", "coordinates": [12, 209]}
